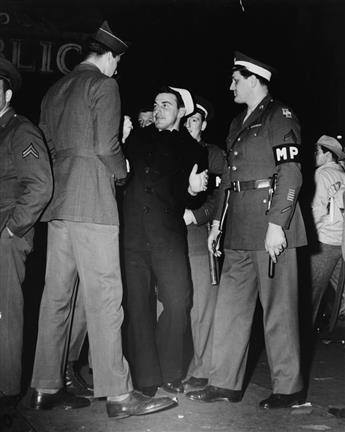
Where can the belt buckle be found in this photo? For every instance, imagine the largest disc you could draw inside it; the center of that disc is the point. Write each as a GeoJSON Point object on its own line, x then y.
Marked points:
{"type": "Point", "coordinates": [236, 186]}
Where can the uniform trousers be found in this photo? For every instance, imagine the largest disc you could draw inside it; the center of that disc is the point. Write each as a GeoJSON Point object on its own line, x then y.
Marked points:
{"type": "Point", "coordinates": [156, 347]}
{"type": "Point", "coordinates": [204, 303]}
{"type": "Point", "coordinates": [13, 254]}
{"type": "Point", "coordinates": [91, 250]}
{"type": "Point", "coordinates": [244, 278]}
{"type": "Point", "coordinates": [322, 265]}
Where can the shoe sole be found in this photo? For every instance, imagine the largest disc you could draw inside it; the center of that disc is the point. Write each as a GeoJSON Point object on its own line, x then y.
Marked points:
{"type": "Point", "coordinates": [215, 400]}
{"type": "Point", "coordinates": [300, 402]}
{"type": "Point", "coordinates": [153, 410]}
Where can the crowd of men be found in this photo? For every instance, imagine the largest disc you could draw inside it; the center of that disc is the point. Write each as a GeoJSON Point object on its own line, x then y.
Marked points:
{"type": "Point", "coordinates": [181, 198]}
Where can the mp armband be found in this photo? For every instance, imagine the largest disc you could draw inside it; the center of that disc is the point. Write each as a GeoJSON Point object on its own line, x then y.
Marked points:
{"type": "Point", "coordinates": [286, 153]}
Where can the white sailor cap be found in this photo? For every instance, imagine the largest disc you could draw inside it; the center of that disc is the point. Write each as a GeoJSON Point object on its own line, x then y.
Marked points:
{"type": "Point", "coordinates": [186, 97]}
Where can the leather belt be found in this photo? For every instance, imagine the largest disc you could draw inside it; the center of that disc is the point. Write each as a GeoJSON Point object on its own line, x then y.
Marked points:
{"type": "Point", "coordinates": [237, 186]}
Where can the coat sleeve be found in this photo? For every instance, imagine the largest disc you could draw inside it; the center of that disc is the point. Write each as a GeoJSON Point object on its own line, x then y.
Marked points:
{"type": "Point", "coordinates": [285, 139]}
{"type": "Point", "coordinates": [216, 165]}
{"type": "Point", "coordinates": [106, 123]}
{"type": "Point", "coordinates": [35, 184]}
{"type": "Point", "coordinates": [45, 130]}
{"type": "Point", "coordinates": [320, 199]}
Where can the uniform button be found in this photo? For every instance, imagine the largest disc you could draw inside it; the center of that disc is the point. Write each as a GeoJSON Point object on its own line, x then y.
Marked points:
{"type": "Point", "coordinates": [255, 134]}
{"type": "Point", "coordinates": [146, 209]}
{"type": "Point", "coordinates": [234, 168]}
{"type": "Point", "coordinates": [147, 170]}
{"type": "Point", "coordinates": [264, 201]}
{"type": "Point", "coordinates": [235, 153]}
{"type": "Point", "coordinates": [239, 139]}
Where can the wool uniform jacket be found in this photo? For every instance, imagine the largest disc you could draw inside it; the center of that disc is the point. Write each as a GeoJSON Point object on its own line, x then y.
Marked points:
{"type": "Point", "coordinates": [197, 234]}
{"type": "Point", "coordinates": [26, 182]}
{"type": "Point", "coordinates": [80, 117]}
{"type": "Point", "coordinates": [268, 142]}
{"type": "Point", "coordinates": [156, 195]}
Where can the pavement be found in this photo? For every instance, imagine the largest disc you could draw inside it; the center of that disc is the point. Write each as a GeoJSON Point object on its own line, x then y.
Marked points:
{"type": "Point", "coordinates": [324, 366]}
{"type": "Point", "coordinates": [326, 392]}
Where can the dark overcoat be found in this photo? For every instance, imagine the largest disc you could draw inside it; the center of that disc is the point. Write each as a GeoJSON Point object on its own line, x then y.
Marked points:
{"type": "Point", "coordinates": [156, 195]}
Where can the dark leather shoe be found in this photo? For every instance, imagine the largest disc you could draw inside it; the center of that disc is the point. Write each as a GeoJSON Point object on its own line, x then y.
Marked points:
{"type": "Point", "coordinates": [277, 400]}
{"type": "Point", "coordinates": [75, 383]}
{"type": "Point", "coordinates": [213, 394]}
{"type": "Point", "coordinates": [194, 382]}
{"type": "Point", "coordinates": [138, 404]}
{"type": "Point", "coordinates": [149, 390]}
{"type": "Point", "coordinates": [61, 399]}
{"type": "Point", "coordinates": [173, 387]}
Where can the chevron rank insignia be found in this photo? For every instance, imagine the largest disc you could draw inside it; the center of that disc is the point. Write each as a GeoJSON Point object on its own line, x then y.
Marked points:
{"type": "Point", "coordinates": [286, 113]}
{"type": "Point", "coordinates": [30, 150]}
{"type": "Point", "coordinates": [291, 195]}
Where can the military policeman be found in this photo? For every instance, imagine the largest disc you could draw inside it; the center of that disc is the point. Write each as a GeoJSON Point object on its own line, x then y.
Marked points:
{"type": "Point", "coordinates": [264, 223]}
{"type": "Point", "coordinates": [25, 189]}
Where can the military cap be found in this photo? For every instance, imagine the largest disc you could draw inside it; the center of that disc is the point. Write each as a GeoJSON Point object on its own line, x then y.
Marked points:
{"type": "Point", "coordinates": [105, 36]}
{"type": "Point", "coordinates": [9, 73]}
{"type": "Point", "coordinates": [331, 144]}
{"type": "Point", "coordinates": [186, 97]}
{"type": "Point", "coordinates": [204, 107]}
{"type": "Point", "coordinates": [254, 66]}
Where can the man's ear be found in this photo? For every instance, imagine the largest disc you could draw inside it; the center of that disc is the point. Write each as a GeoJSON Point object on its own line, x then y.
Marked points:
{"type": "Point", "coordinates": [8, 95]}
{"type": "Point", "coordinates": [203, 125]}
{"type": "Point", "coordinates": [181, 112]}
{"type": "Point", "coordinates": [253, 80]}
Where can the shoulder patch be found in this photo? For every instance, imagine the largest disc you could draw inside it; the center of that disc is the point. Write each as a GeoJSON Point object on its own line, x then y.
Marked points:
{"type": "Point", "coordinates": [30, 150]}
{"type": "Point", "coordinates": [286, 113]}
{"type": "Point", "coordinates": [286, 153]}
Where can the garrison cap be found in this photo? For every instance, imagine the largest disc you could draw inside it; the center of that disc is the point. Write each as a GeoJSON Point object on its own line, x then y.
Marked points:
{"type": "Point", "coordinates": [331, 144]}
{"type": "Point", "coordinates": [186, 99]}
{"type": "Point", "coordinates": [9, 73]}
{"type": "Point", "coordinates": [254, 66]}
{"type": "Point", "coordinates": [105, 36]}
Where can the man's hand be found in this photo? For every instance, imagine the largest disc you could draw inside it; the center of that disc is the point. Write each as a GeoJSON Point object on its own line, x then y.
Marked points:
{"type": "Point", "coordinates": [197, 182]}
{"type": "Point", "coordinates": [212, 241]}
{"type": "Point", "coordinates": [189, 217]}
{"type": "Point", "coordinates": [127, 127]}
{"type": "Point", "coordinates": [275, 241]}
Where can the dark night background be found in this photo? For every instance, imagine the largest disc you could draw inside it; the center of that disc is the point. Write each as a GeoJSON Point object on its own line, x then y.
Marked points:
{"type": "Point", "coordinates": [190, 43]}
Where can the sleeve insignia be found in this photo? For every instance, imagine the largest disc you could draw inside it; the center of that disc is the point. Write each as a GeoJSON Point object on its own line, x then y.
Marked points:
{"type": "Point", "coordinates": [284, 210]}
{"type": "Point", "coordinates": [30, 150]}
{"type": "Point", "coordinates": [286, 113]}
{"type": "Point", "coordinates": [286, 153]}
{"type": "Point", "coordinates": [291, 195]}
